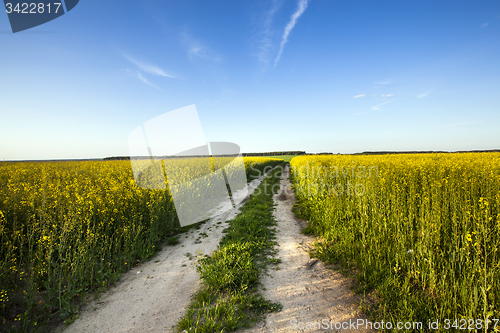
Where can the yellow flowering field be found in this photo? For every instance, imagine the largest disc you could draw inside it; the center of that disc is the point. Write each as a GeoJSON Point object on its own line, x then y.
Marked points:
{"type": "Point", "coordinates": [422, 231]}
{"type": "Point", "coordinates": [68, 228]}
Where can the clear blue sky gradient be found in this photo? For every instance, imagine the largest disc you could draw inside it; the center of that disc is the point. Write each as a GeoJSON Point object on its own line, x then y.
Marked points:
{"type": "Point", "coordinates": [352, 75]}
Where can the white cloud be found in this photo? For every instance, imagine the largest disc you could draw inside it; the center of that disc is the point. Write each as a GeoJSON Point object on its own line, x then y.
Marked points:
{"type": "Point", "coordinates": [143, 79]}
{"type": "Point", "coordinates": [203, 53]}
{"type": "Point", "coordinates": [196, 49]}
{"type": "Point", "coordinates": [383, 82]}
{"type": "Point", "coordinates": [423, 95]}
{"type": "Point", "coordinates": [148, 68]}
{"type": "Point", "coordinates": [359, 96]}
{"type": "Point", "coordinates": [374, 108]}
{"type": "Point", "coordinates": [267, 33]}
{"type": "Point", "coordinates": [459, 124]}
{"type": "Point", "coordinates": [288, 29]}
{"type": "Point", "coordinates": [484, 25]}
{"type": "Point", "coordinates": [378, 106]}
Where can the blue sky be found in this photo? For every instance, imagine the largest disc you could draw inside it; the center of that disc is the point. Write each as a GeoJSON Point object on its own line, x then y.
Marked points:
{"type": "Point", "coordinates": [320, 75]}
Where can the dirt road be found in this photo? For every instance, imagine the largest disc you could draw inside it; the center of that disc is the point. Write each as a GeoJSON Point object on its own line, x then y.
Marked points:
{"type": "Point", "coordinates": [309, 293]}
{"type": "Point", "coordinates": [154, 295]}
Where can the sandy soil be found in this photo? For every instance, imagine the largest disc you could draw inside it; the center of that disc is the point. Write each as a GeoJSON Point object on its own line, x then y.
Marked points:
{"type": "Point", "coordinates": [308, 291]}
{"type": "Point", "coordinates": [153, 296]}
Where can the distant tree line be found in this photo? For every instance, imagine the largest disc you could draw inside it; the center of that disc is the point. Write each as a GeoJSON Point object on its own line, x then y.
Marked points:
{"type": "Point", "coordinates": [274, 153]}
{"type": "Point", "coordinates": [425, 152]}
{"type": "Point", "coordinates": [296, 152]}
{"type": "Point", "coordinates": [116, 158]}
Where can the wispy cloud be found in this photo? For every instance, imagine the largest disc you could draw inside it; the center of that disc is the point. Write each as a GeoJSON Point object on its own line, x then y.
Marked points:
{"type": "Point", "coordinates": [387, 95]}
{"type": "Point", "coordinates": [197, 50]}
{"type": "Point", "coordinates": [484, 25]}
{"type": "Point", "coordinates": [148, 68]}
{"type": "Point", "coordinates": [382, 82]}
{"type": "Point", "coordinates": [374, 108]}
{"type": "Point", "coordinates": [143, 79]}
{"type": "Point", "coordinates": [359, 96]}
{"type": "Point", "coordinates": [267, 34]}
{"type": "Point", "coordinates": [459, 124]}
{"type": "Point", "coordinates": [423, 95]}
{"type": "Point", "coordinates": [145, 67]}
{"type": "Point", "coordinates": [378, 106]}
{"type": "Point", "coordinates": [302, 6]}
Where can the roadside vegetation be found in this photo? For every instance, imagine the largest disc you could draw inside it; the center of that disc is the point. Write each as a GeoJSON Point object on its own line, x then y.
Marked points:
{"type": "Point", "coordinates": [420, 232]}
{"type": "Point", "coordinates": [71, 228]}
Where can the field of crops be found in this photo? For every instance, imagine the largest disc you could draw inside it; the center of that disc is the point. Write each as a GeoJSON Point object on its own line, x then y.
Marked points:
{"type": "Point", "coordinates": [422, 230]}
{"type": "Point", "coordinates": [68, 228]}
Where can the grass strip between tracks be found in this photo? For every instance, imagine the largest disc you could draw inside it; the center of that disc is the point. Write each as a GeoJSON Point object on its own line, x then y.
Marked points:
{"type": "Point", "coordinates": [228, 298]}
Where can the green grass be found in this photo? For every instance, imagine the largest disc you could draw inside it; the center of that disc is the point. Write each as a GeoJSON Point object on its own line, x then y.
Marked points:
{"type": "Point", "coordinates": [172, 241]}
{"type": "Point", "coordinates": [286, 158]}
{"type": "Point", "coordinates": [229, 297]}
